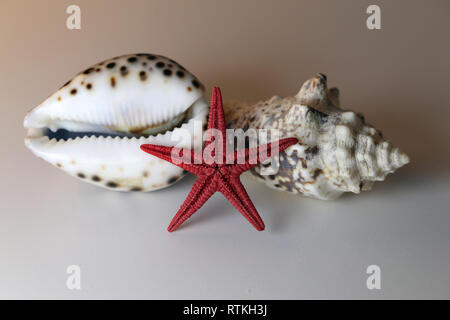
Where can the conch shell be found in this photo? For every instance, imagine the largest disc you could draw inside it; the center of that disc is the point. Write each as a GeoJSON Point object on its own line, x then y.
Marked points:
{"type": "Point", "coordinates": [337, 151]}
{"type": "Point", "coordinates": [93, 126]}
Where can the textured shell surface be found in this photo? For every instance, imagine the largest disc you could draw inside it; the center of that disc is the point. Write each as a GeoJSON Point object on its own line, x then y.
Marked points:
{"type": "Point", "coordinates": [92, 126]}
{"type": "Point", "coordinates": [337, 151]}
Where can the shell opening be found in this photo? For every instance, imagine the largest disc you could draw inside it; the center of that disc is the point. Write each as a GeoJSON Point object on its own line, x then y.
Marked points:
{"type": "Point", "coordinates": [66, 130]}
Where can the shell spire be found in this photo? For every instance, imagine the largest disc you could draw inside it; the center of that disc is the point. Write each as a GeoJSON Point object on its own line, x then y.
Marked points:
{"type": "Point", "coordinates": [356, 153]}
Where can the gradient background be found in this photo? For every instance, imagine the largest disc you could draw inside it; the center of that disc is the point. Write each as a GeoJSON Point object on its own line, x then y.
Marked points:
{"type": "Point", "coordinates": [397, 76]}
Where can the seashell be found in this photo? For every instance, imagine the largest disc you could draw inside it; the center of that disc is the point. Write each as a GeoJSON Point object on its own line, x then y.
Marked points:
{"type": "Point", "coordinates": [92, 126]}
{"type": "Point", "coordinates": [337, 151]}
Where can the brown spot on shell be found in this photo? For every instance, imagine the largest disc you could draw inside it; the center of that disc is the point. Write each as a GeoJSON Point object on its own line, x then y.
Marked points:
{"type": "Point", "coordinates": [96, 178]}
{"type": "Point", "coordinates": [145, 174]}
{"type": "Point", "coordinates": [195, 83]}
{"type": "Point", "coordinates": [59, 98]}
{"type": "Point", "coordinates": [111, 65]}
{"type": "Point", "coordinates": [112, 184]}
{"type": "Point", "coordinates": [311, 152]}
{"type": "Point", "coordinates": [151, 57]}
{"type": "Point", "coordinates": [180, 74]}
{"type": "Point", "coordinates": [123, 71]}
{"type": "Point", "coordinates": [160, 64]}
{"type": "Point", "coordinates": [59, 165]}
{"type": "Point", "coordinates": [132, 59]}
{"type": "Point", "coordinates": [73, 92]}
{"type": "Point", "coordinates": [189, 89]}
{"type": "Point", "coordinates": [143, 75]}
{"type": "Point", "coordinates": [136, 189]}
{"type": "Point", "coordinates": [173, 179]}
{"type": "Point", "coordinates": [89, 86]}
{"type": "Point", "coordinates": [87, 71]}
{"type": "Point", "coordinates": [167, 72]}
{"type": "Point", "coordinates": [112, 81]}
{"type": "Point", "coordinates": [316, 173]}
{"type": "Point", "coordinates": [303, 163]}
{"type": "Point", "coordinates": [81, 175]}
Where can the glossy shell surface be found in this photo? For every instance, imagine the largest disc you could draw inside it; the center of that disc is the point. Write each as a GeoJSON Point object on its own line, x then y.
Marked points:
{"type": "Point", "coordinates": [93, 126]}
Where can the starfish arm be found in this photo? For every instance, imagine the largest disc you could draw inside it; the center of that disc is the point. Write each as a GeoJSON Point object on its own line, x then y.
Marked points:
{"type": "Point", "coordinates": [166, 153]}
{"type": "Point", "coordinates": [262, 152]}
{"type": "Point", "coordinates": [234, 191]}
{"type": "Point", "coordinates": [201, 191]}
{"type": "Point", "coordinates": [216, 121]}
{"type": "Point", "coordinates": [216, 115]}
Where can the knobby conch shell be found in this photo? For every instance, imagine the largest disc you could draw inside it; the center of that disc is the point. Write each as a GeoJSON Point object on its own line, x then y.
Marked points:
{"type": "Point", "coordinates": [93, 126]}
{"type": "Point", "coordinates": [337, 151]}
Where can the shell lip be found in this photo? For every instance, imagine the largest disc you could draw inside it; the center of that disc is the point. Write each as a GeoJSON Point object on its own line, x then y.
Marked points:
{"type": "Point", "coordinates": [121, 150]}
{"type": "Point", "coordinates": [53, 131]}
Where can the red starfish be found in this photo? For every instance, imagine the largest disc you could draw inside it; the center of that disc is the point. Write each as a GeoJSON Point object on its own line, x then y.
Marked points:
{"type": "Point", "coordinates": [216, 174]}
